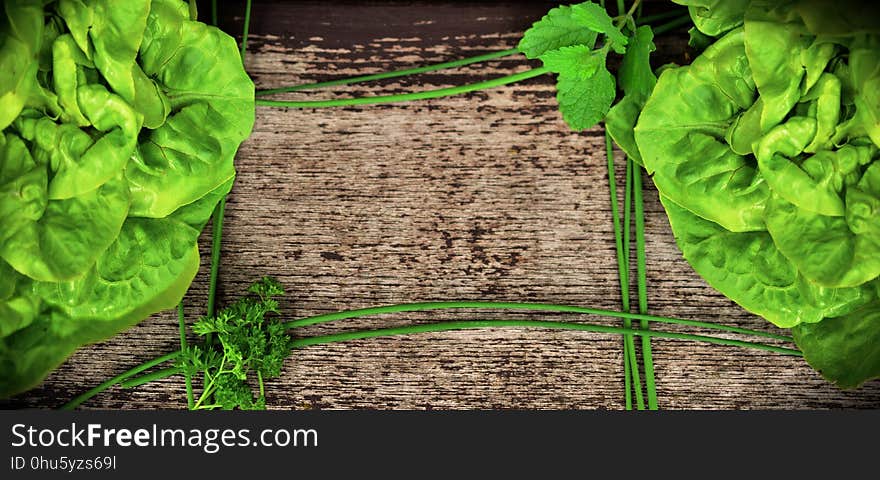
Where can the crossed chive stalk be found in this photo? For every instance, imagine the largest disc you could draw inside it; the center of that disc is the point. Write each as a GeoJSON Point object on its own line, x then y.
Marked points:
{"type": "Point", "coordinates": [633, 212]}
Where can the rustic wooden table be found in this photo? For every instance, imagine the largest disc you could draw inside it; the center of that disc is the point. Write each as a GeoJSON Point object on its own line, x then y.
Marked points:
{"type": "Point", "coordinates": [483, 196]}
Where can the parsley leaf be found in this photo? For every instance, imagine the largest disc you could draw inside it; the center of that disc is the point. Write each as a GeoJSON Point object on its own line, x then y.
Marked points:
{"type": "Point", "coordinates": [585, 88]}
{"type": "Point", "coordinates": [249, 349]}
{"type": "Point", "coordinates": [559, 28]}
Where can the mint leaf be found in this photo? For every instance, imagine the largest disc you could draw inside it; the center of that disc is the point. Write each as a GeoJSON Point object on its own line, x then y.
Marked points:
{"type": "Point", "coordinates": [635, 74]}
{"type": "Point", "coordinates": [578, 61]}
{"type": "Point", "coordinates": [585, 88]}
{"type": "Point", "coordinates": [594, 17]}
{"type": "Point", "coordinates": [584, 103]}
{"type": "Point", "coordinates": [555, 30]}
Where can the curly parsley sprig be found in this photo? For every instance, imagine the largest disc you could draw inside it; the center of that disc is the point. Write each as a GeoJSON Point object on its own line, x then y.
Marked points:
{"type": "Point", "coordinates": [250, 346]}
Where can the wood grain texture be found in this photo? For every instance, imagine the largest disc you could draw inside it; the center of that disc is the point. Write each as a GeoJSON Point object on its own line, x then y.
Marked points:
{"type": "Point", "coordinates": [485, 196]}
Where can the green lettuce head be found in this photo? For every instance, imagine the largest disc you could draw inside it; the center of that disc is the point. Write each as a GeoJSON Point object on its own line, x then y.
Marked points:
{"type": "Point", "coordinates": [120, 120]}
{"type": "Point", "coordinates": [766, 154]}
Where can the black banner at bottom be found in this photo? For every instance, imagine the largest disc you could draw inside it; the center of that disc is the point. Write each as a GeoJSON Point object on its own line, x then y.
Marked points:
{"type": "Point", "coordinates": [405, 444]}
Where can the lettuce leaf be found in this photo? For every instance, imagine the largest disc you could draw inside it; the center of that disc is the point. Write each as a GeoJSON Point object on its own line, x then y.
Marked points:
{"type": "Point", "coordinates": [111, 162]}
{"type": "Point", "coordinates": [766, 154]}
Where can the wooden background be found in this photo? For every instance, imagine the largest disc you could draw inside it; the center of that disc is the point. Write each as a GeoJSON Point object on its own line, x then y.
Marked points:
{"type": "Point", "coordinates": [486, 196]}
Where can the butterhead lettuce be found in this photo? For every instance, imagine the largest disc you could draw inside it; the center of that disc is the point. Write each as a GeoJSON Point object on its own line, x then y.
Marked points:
{"type": "Point", "coordinates": [766, 154]}
{"type": "Point", "coordinates": [119, 121]}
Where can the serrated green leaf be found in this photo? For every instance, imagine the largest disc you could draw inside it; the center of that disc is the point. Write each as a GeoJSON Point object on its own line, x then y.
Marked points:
{"type": "Point", "coordinates": [577, 61]}
{"type": "Point", "coordinates": [585, 88]}
{"type": "Point", "coordinates": [594, 17]}
{"type": "Point", "coordinates": [584, 103]}
{"type": "Point", "coordinates": [555, 30]}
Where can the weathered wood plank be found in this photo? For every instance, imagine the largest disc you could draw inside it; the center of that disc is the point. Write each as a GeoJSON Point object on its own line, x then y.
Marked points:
{"type": "Point", "coordinates": [483, 196]}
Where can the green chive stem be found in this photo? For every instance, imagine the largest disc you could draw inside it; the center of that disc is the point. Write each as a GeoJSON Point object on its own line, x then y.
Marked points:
{"type": "Point", "coordinates": [392, 74]}
{"type": "Point", "coordinates": [405, 97]}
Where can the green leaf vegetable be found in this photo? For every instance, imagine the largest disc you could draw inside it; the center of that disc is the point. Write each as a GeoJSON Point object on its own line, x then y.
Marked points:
{"type": "Point", "coordinates": [120, 120]}
{"type": "Point", "coordinates": [766, 154]}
